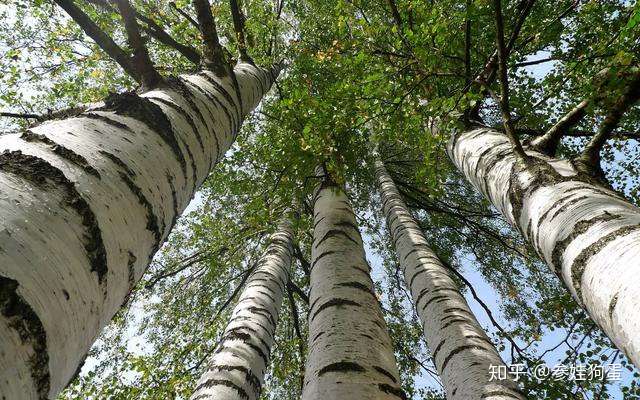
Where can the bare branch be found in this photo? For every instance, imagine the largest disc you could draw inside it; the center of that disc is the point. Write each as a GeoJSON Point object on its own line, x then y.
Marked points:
{"type": "Point", "coordinates": [238, 26]}
{"type": "Point", "coordinates": [296, 326]}
{"type": "Point", "coordinates": [576, 133]}
{"type": "Point", "coordinates": [185, 15]}
{"type": "Point", "coordinates": [100, 37]}
{"type": "Point", "coordinates": [154, 30]}
{"type": "Point", "coordinates": [141, 61]}
{"type": "Point", "coordinates": [548, 143]}
{"type": "Point", "coordinates": [467, 57]}
{"type": "Point", "coordinates": [213, 54]}
{"type": "Point", "coordinates": [589, 161]}
{"type": "Point", "coordinates": [396, 14]}
{"type": "Point", "coordinates": [295, 289]}
{"type": "Point", "coordinates": [504, 83]}
{"type": "Point", "coordinates": [19, 115]}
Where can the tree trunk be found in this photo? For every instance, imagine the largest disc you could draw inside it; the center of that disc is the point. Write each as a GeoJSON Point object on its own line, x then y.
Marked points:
{"type": "Point", "coordinates": [87, 201]}
{"type": "Point", "coordinates": [461, 350]}
{"type": "Point", "coordinates": [588, 234]}
{"type": "Point", "coordinates": [236, 370]}
{"type": "Point", "coordinates": [350, 352]}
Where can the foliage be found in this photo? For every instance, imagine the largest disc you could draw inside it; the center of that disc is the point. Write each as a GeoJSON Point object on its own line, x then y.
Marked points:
{"type": "Point", "coordinates": [356, 77]}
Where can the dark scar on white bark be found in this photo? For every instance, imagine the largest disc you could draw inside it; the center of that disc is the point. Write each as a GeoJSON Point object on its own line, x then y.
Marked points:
{"type": "Point", "coordinates": [152, 218]}
{"type": "Point", "coordinates": [459, 350]}
{"type": "Point", "coordinates": [386, 373]}
{"type": "Point", "coordinates": [69, 155]}
{"type": "Point", "coordinates": [108, 121]}
{"type": "Point", "coordinates": [262, 84]}
{"type": "Point", "coordinates": [326, 253]}
{"type": "Point", "coordinates": [456, 320]}
{"type": "Point", "coordinates": [578, 229]}
{"type": "Point", "coordinates": [144, 110]}
{"type": "Point", "coordinates": [185, 115]}
{"type": "Point", "coordinates": [180, 87]}
{"type": "Point", "coordinates": [245, 338]}
{"type": "Point", "coordinates": [337, 302]}
{"type": "Point", "coordinates": [116, 160]}
{"type": "Point", "coordinates": [356, 285]}
{"type": "Point", "coordinates": [131, 262]}
{"type": "Point", "coordinates": [217, 103]}
{"type": "Point", "coordinates": [263, 311]}
{"type": "Point", "coordinates": [579, 263]}
{"type": "Point", "coordinates": [432, 299]}
{"type": "Point", "coordinates": [177, 85]}
{"type": "Point", "coordinates": [174, 199]}
{"type": "Point", "coordinates": [23, 319]}
{"type": "Point", "coordinates": [341, 366]}
{"type": "Point", "coordinates": [333, 233]}
{"type": "Point", "coordinates": [395, 391]}
{"type": "Point", "coordinates": [220, 382]}
{"type": "Point", "coordinates": [237, 104]}
{"type": "Point", "coordinates": [47, 177]}
{"type": "Point", "coordinates": [251, 377]}
{"type": "Point", "coordinates": [250, 329]}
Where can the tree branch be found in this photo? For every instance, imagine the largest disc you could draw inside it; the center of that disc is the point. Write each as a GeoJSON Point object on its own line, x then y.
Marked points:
{"type": "Point", "coordinates": [504, 82]}
{"type": "Point", "coordinates": [149, 77]}
{"type": "Point", "coordinates": [103, 40]}
{"type": "Point", "coordinates": [589, 160]}
{"type": "Point", "coordinates": [294, 288]}
{"type": "Point", "coordinates": [467, 58]}
{"type": "Point", "coordinates": [296, 326]}
{"type": "Point", "coordinates": [19, 115]}
{"type": "Point", "coordinates": [156, 31]}
{"type": "Point", "coordinates": [153, 29]}
{"type": "Point", "coordinates": [213, 54]}
{"type": "Point", "coordinates": [238, 26]}
{"type": "Point", "coordinates": [576, 133]}
{"type": "Point", "coordinates": [306, 266]}
{"type": "Point", "coordinates": [395, 13]}
{"type": "Point", "coordinates": [185, 15]}
{"type": "Point", "coordinates": [548, 143]}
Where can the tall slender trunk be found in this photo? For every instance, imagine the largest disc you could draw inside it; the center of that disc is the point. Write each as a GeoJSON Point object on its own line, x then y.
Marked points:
{"type": "Point", "coordinates": [350, 352]}
{"type": "Point", "coordinates": [86, 202]}
{"type": "Point", "coordinates": [236, 370]}
{"type": "Point", "coordinates": [461, 351]}
{"type": "Point", "coordinates": [588, 234]}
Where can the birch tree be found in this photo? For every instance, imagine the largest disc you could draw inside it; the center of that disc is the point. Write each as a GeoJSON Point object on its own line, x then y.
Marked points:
{"type": "Point", "coordinates": [350, 352]}
{"type": "Point", "coordinates": [237, 368]}
{"type": "Point", "coordinates": [461, 350]}
{"type": "Point", "coordinates": [580, 227]}
{"type": "Point", "coordinates": [585, 232]}
{"type": "Point", "coordinates": [89, 199]}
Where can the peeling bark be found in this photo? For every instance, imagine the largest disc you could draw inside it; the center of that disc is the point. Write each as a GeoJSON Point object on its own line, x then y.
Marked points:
{"type": "Point", "coordinates": [588, 234]}
{"type": "Point", "coordinates": [461, 350]}
{"type": "Point", "coordinates": [350, 352]}
{"type": "Point", "coordinates": [86, 201]}
{"type": "Point", "coordinates": [236, 370]}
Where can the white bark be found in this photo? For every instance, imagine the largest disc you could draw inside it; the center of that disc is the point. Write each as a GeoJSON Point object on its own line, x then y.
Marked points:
{"type": "Point", "coordinates": [588, 235]}
{"type": "Point", "coordinates": [350, 352]}
{"type": "Point", "coordinates": [461, 350]}
{"type": "Point", "coordinates": [236, 370]}
{"type": "Point", "coordinates": [87, 201]}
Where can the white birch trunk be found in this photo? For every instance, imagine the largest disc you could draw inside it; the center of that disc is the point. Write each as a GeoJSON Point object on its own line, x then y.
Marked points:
{"type": "Point", "coordinates": [86, 202]}
{"type": "Point", "coordinates": [461, 350]}
{"type": "Point", "coordinates": [588, 235]}
{"type": "Point", "coordinates": [350, 352]}
{"type": "Point", "coordinates": [236, 370]}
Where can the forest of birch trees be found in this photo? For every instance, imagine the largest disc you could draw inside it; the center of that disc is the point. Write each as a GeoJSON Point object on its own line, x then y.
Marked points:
{"type": "Point", "coordinates": [319, 199]}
